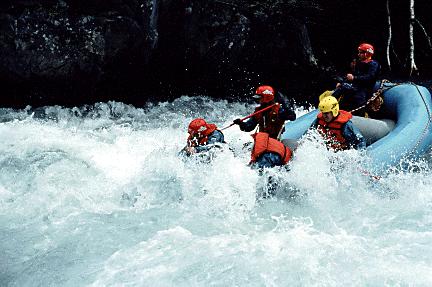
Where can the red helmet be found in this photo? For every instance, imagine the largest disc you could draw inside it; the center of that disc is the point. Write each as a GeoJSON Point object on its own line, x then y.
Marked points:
{"type": "Point", "coordinates": [365, 47]}
{"type": "Point", "coordinates": [265, 94]}
{"type": "Point", "coordinates": [197, 126]}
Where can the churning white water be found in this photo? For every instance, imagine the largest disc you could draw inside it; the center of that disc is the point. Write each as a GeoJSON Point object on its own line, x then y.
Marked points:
{"type": "Point", "coordinates": [98, 196]}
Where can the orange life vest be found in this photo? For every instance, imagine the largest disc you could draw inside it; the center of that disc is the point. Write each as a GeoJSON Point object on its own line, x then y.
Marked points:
{"type": "Point", "coordinates": [264, 143]}
{"type": "Point", "coordinates": [332, 131]}
{"type": "Point", "coordinates": [202, 137]}
{"type": "Point", "coordinates": [269, 122]}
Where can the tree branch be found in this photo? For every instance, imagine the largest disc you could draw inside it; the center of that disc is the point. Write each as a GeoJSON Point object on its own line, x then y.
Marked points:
{"type": "Point", "coordinates": [428, 39]}
{"type": "Point", "coordinates": [389, 39]}
{"type": "Point", "coordinates": [413, 66]}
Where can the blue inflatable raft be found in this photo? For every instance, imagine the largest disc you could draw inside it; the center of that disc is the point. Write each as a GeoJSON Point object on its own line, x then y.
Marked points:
{"type": "Point", "coordinates": [405, 133]}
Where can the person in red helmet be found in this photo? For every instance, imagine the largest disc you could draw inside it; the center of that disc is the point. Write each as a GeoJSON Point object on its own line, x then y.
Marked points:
{"type": "Point", "coordinates": [202, 136]}
{"type": "Point", "coordinates": [272, 120]}
{"type": "Point", "coordinates": [358, 88]}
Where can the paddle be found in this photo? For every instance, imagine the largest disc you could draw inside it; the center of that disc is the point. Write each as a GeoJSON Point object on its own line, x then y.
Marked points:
{"type": "Point", "coordinates": [251, 115]}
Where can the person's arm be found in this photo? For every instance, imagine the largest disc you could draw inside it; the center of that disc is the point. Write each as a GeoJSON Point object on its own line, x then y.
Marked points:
{"type": "Point", "coordinates": [371, 75]}
{"type": "Point", "coordinates": [286, 113]}
{"type": "Point", "coordinates": [353, 136]}
{"type": "Point", "coordinates": [216, 137]}
{"type": "Point", "coordinates": [248, 125]}
{"type": "Point", "coordinates": [286, 110]}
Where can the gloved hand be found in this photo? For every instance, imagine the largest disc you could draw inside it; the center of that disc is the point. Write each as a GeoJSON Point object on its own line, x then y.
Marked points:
{"type": "Point", "coordinates": [237, 122]}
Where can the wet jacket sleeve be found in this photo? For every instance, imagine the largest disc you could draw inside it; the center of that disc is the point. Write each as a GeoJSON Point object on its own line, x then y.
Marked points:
{"type": "Point", "coordinates": [248, 125]}
{"type": "Point", "coordinates": [214, 138]}
{"type": "Point", "coordinates": [371, 74]}
{"type": "Point", "coordinates": [353, 136]}
{"type": "Point", "coordinates": [286, 113]}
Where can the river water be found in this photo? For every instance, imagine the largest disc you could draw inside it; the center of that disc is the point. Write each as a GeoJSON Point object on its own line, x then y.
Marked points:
{"type": "Point", "coordinates": [98, 196]}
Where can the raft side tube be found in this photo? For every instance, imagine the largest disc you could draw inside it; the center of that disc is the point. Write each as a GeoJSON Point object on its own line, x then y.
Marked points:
{"type": "Point", "coordinates": [373, 130]}
{"type": "Point", "coordinates": [407, 135]}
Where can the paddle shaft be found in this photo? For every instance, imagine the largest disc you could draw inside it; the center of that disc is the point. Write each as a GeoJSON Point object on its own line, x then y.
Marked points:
{"type": "Point", "coordinates": [367, 173]}
{"type": "Point", "coordinates": [251, 115]}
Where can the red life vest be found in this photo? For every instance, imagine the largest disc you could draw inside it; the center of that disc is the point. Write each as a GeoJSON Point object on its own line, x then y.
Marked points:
{"type": "Point", "coordinates": [332, 131]}
{"type": "Point", "coordinates": [269, 122]}
{"type": "Point", "coordinates": [201, 138]}
{"type": "Point", "coordinates": [264, 143]}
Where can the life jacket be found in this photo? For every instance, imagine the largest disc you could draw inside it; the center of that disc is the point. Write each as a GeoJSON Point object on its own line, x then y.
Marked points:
{"type": "Point", "coordinates": [332, 131]}
{"type": "Point", "coordinates": [202, 137]}
{"type": "Point", "coordinates": [264, 143]}
{"type": "Point", "coordinates": [269, 122]}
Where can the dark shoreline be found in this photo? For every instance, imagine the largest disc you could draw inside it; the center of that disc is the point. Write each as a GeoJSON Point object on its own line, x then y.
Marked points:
{"type": "Point", "coordinates": [75, 52]}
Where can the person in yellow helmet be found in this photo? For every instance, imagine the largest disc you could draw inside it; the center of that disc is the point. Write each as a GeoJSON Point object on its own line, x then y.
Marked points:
{"type": "Point", "coordinates": [325, 94]}
{"type": "Point", "coordinates": [336, 126]}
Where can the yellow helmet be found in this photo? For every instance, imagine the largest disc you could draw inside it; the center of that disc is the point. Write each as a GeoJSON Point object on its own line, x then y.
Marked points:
{"type": "Point", "coordinates": [329, 104]}
{"type": "Point", "coordinates": [325, 94]}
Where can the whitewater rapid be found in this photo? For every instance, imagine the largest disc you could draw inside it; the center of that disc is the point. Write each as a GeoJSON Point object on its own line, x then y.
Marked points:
{"type": "Point", "coordinates": [98, 196]}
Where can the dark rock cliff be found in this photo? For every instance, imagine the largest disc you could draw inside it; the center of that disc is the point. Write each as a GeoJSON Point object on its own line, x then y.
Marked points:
{"type": "Point", "coordinates": [77, 52]}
